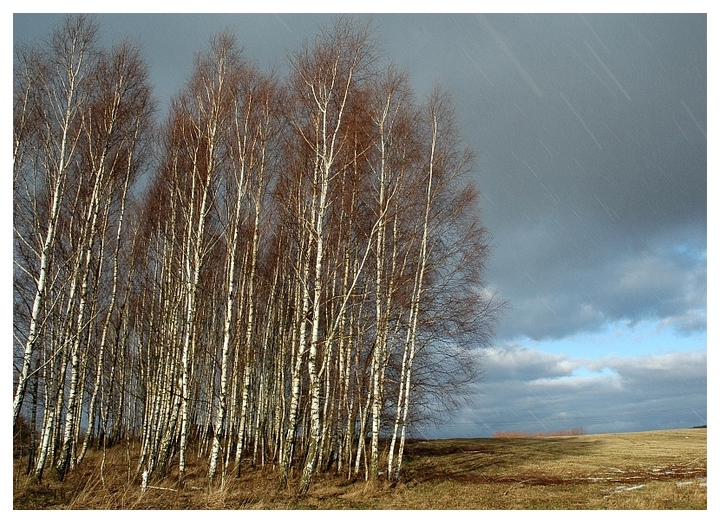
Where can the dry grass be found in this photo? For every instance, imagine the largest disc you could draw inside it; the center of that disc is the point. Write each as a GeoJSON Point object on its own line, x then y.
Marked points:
{"type": "Point", "coordinates": [648, 470]}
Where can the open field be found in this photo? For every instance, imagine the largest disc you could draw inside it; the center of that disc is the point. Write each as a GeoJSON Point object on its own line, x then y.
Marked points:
{"type": "Point", "coordinates": [645, 470]}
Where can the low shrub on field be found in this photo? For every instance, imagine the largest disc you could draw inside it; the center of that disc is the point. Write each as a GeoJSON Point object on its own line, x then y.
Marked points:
{"type": "Point", "coordinates": [577, 431]}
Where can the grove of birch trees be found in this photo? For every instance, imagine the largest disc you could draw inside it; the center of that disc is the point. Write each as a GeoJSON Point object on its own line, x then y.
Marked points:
{"type": "Point", "coordinates": [280, 272]}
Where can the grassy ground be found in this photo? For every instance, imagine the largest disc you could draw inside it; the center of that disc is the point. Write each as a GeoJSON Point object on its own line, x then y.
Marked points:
{"type": "Point", "coordinates": [646, 470]}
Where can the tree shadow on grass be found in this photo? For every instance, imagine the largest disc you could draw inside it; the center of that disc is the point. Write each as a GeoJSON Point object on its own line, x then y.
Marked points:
{"type": "Point", "coordinates": [489, 460]}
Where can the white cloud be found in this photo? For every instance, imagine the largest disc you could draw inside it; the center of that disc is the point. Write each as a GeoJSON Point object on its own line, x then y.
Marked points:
{"type": "Point", "coordinates": [522, 364]}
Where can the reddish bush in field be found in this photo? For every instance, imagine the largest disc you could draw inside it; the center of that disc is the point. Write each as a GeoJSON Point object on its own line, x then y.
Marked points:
{"type": "Point", "coordinates": [576, 431]}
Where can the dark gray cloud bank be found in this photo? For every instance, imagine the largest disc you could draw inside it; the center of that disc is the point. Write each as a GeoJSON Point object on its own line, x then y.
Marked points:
{"type": "Point", "coordinates": [597, 200]}
{"type": "Point", "coordinates": [591, 143]}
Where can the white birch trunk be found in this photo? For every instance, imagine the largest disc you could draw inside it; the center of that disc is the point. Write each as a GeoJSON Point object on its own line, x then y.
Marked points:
{"type": "Point", "coordinates": [224, 364]}
{"type": "Point", "coordinates": [417, 296]}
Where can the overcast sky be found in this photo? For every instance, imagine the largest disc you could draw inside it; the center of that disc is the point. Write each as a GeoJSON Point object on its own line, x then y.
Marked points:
{"type": "Point", "coordinates": [591, 139]}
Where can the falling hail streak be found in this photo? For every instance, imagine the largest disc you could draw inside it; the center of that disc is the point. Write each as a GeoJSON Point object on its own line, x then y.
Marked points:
{"type": "Point", "coordinates": [587, 129]}
{"type": "Point", "coordinates": [595, 34]}
{"type": "Point", "coordinates": [605, 207]}
{"type": "Point", "coordinates": [552, 197]}
{"type": "Point", "coordinates": [593, 71]}
{"type": "Point", "coordinates": [692, 117]}
{"type": "Point", "coordinates": [531, 169]}
{"type": "Point", "coordinates": [536, 419]}
{"type": "Point", "coordinates": [279, 19]}
{"type": "Point", "coordinates": [681, 129]}
{"type": "Point", "coordinates": [608, 71]}
{"type": "Point", "coordinates": [546, 148]}
{"type": "Point", "coordinates": [477, 65]}
{"type": "Point", "coordinates": [506, 50]}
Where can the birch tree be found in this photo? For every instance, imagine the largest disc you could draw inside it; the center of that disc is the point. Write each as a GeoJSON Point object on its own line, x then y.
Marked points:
{"type": "Point", "coordinates": [117, 113]}
{"type": "Point", "coordinates": [247, 176]}
{"type": "Point", "coordinates": [58, 75]}
{"type": "Point", "coordinates": [324, 78]}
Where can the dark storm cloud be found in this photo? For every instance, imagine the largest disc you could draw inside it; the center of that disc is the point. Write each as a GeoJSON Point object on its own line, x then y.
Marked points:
{"type": "Point", "coordinates": [596, 171]}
